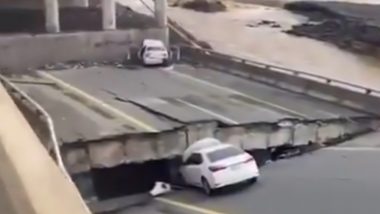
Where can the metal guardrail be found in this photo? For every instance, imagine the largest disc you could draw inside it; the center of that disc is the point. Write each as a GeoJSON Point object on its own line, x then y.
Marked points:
{"type": "Point", "coordinates": [43, 112]}
{"type": "Point", "coordinates": [53, 137]}
{"type": "Point", "coordinates": [292, 72]}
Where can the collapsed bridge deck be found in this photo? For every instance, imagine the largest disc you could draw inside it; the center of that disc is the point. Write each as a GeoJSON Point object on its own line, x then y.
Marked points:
{"type": "Point", "coordinates": [123, 115]}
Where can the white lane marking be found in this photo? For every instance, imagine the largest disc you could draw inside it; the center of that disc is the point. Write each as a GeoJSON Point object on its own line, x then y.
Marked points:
{"type": "Point", "coordinates": [207, 111]}
{"type": "Point", "coordinates": [256, 108]}
{"type": "Point", "coordinates": [328, 113]}
{"type": "Point", "coordinates": [97, 102]}
{"type": "Point", "coordinates": [187, 206]}
{"type": "Point", "coordinates": [229, 90]}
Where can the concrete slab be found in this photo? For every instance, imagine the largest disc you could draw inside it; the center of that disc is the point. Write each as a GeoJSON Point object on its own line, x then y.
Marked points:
{"type": "Point", "coordinates": [271, 98]}
{"type": "Point", "coordinates": [371, 140]}
{"type": "Point", "coordinates": [73, 120]}
{"type": "Point", "coordinates": [165, 93]}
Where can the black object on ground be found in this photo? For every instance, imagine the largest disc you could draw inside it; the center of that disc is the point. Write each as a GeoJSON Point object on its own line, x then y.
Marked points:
{"type": "Point", "coordinates": [271, 24]}
{"type": "Point", "coordinates": [354, 27]}
{"type": "Point", "coordinates": [205, 5]}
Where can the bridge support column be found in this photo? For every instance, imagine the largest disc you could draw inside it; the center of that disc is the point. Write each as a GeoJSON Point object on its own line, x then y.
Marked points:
{"type": "Point", "coordinates": [160, 13]}
{"type": "Point", "coordinates": [52, 16]}
{"type": "Point", "coordinates": [74, 3]}
{"type": "Point", "coordinates": [109, 14]}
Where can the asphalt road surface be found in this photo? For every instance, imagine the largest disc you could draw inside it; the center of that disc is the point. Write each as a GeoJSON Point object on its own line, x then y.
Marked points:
{"type": "Point", "coordinates": [181, 95]}
{"type": "Point", "coordinates": [336, 180]}
{"type": "Point", "coordinates": [189, 93]}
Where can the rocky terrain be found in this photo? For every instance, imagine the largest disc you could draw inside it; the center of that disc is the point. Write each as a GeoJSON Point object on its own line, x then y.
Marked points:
{"type": "Point", "coordinates": [201, 5]}
{"type": "Point", "coordinates": [350, 26]}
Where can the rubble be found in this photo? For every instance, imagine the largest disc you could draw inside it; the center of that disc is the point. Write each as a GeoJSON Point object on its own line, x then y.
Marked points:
{"type": "Point", "coordinates": [353, 27]}
{"type": "Point", "coordinates": [209, 6]}
{"type": "Point", "coordinates": [271, 24]}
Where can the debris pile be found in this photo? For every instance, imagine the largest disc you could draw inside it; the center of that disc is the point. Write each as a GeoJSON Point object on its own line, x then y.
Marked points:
{"type": "Point", "coordinates": [271, 24]}
{"type": "Point", "coordinates": [354, 27]}
{"type": "Point", "coordinates": [209, 6]}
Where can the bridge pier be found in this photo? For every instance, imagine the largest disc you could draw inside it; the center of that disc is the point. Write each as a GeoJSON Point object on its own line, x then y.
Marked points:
{"type": "Point", "coordinates": [109, 14]}
{"type": "Point", "coordinates": [75, 3]}
{"type": "Point", "coordinates": [160, 13]}
{"type": "Point", "coordinates": [52, 16]}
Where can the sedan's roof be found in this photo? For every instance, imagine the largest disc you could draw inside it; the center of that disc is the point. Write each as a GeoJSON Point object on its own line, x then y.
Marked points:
{"type": "Point", "coordinates": [204, 146]}
{"type": "Point", "coordinates": [214, 148]}
{"type": "Point", "coordinates": [153, 42]}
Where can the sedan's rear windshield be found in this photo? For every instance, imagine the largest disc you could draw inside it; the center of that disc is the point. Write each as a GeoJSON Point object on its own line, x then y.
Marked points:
{"type": "Point", "coordinates": [224, 153]}
{"type": "Point", "coordinates": [155, 48]}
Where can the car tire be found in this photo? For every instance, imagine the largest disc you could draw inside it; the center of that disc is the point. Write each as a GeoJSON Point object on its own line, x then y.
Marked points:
{"type": "Point", "coordinates": [252, 180]}
{"type": "Point", "coordinates": [165, 62]}
{"type": "Point", "coordinates": [206, 187]}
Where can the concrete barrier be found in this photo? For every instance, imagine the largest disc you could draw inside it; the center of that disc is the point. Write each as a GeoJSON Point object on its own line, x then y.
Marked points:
{"type": "Point", "coordinates": [338, 92]}
{"type": "Point", "coordinates": [30, 181]}
{"type": "Point", "coordinates": [20, 52]}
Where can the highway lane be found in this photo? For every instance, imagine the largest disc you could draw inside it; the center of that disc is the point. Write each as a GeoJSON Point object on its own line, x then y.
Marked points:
{"type": "Point", "coordinates": [335, 180]}
{"type": "Point", "coordinates": [270, 97]}
{"type": "Point", "coordinates": [161, 91]}
{"type": "Point", "coordinates": [190, 94]}
{"type": "Point", "coordinates": [181, 95]}
{"type": "Point", "coordinates": [73, 119]}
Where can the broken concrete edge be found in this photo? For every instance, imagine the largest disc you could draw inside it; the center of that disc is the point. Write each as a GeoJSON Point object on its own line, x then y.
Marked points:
{"type": "Point", "coordinates": [185, 128]}
{"type": "Point", "coordinates": [169, 146]}
{"type": "Point", "coordinates": [305, 149]}
{"type": "Point", "coordinates": [117, 204]}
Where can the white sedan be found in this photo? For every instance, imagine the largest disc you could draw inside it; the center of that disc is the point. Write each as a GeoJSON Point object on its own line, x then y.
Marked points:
{"type": "Point", "coordinates": [153, 52]}
{"type": "Point", "coordinates": [210, 164]}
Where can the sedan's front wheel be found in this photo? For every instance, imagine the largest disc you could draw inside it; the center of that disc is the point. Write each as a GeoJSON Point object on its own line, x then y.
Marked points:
{"type": "Point", "coordinates": [206, 187]}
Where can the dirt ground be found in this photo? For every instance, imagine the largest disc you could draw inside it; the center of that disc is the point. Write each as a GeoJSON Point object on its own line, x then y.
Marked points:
{"type": "Point", "coordinates": [353, 27]}
{"type": "Point", "coordinates": [247, 38]}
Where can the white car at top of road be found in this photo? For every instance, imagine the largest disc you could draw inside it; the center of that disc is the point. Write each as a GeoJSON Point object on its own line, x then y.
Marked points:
{"type": "Point", "coordinates": [210, 164]}
{"type": "Point", "coordinates": [153, 52]}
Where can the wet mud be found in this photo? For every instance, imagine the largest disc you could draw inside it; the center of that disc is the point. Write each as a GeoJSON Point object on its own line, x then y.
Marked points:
{"type": "Point", "coordinates": [350, 26]}
{"type": "Point", "coordinates": [209, 6]}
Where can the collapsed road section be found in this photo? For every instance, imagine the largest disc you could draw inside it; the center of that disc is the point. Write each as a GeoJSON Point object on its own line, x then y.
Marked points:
{"type": "Point", "coordinates": [120, 128]}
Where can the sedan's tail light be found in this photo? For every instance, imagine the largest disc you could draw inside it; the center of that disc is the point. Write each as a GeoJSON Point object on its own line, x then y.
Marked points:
{"type": "Point", "coordinates": [216, 168]}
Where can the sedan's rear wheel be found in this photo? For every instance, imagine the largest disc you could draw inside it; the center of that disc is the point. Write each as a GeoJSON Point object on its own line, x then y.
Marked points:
{"type": "Point", "coordinates": [252, 180]}
{"type": "Point", "coordinates": [206, 187]}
